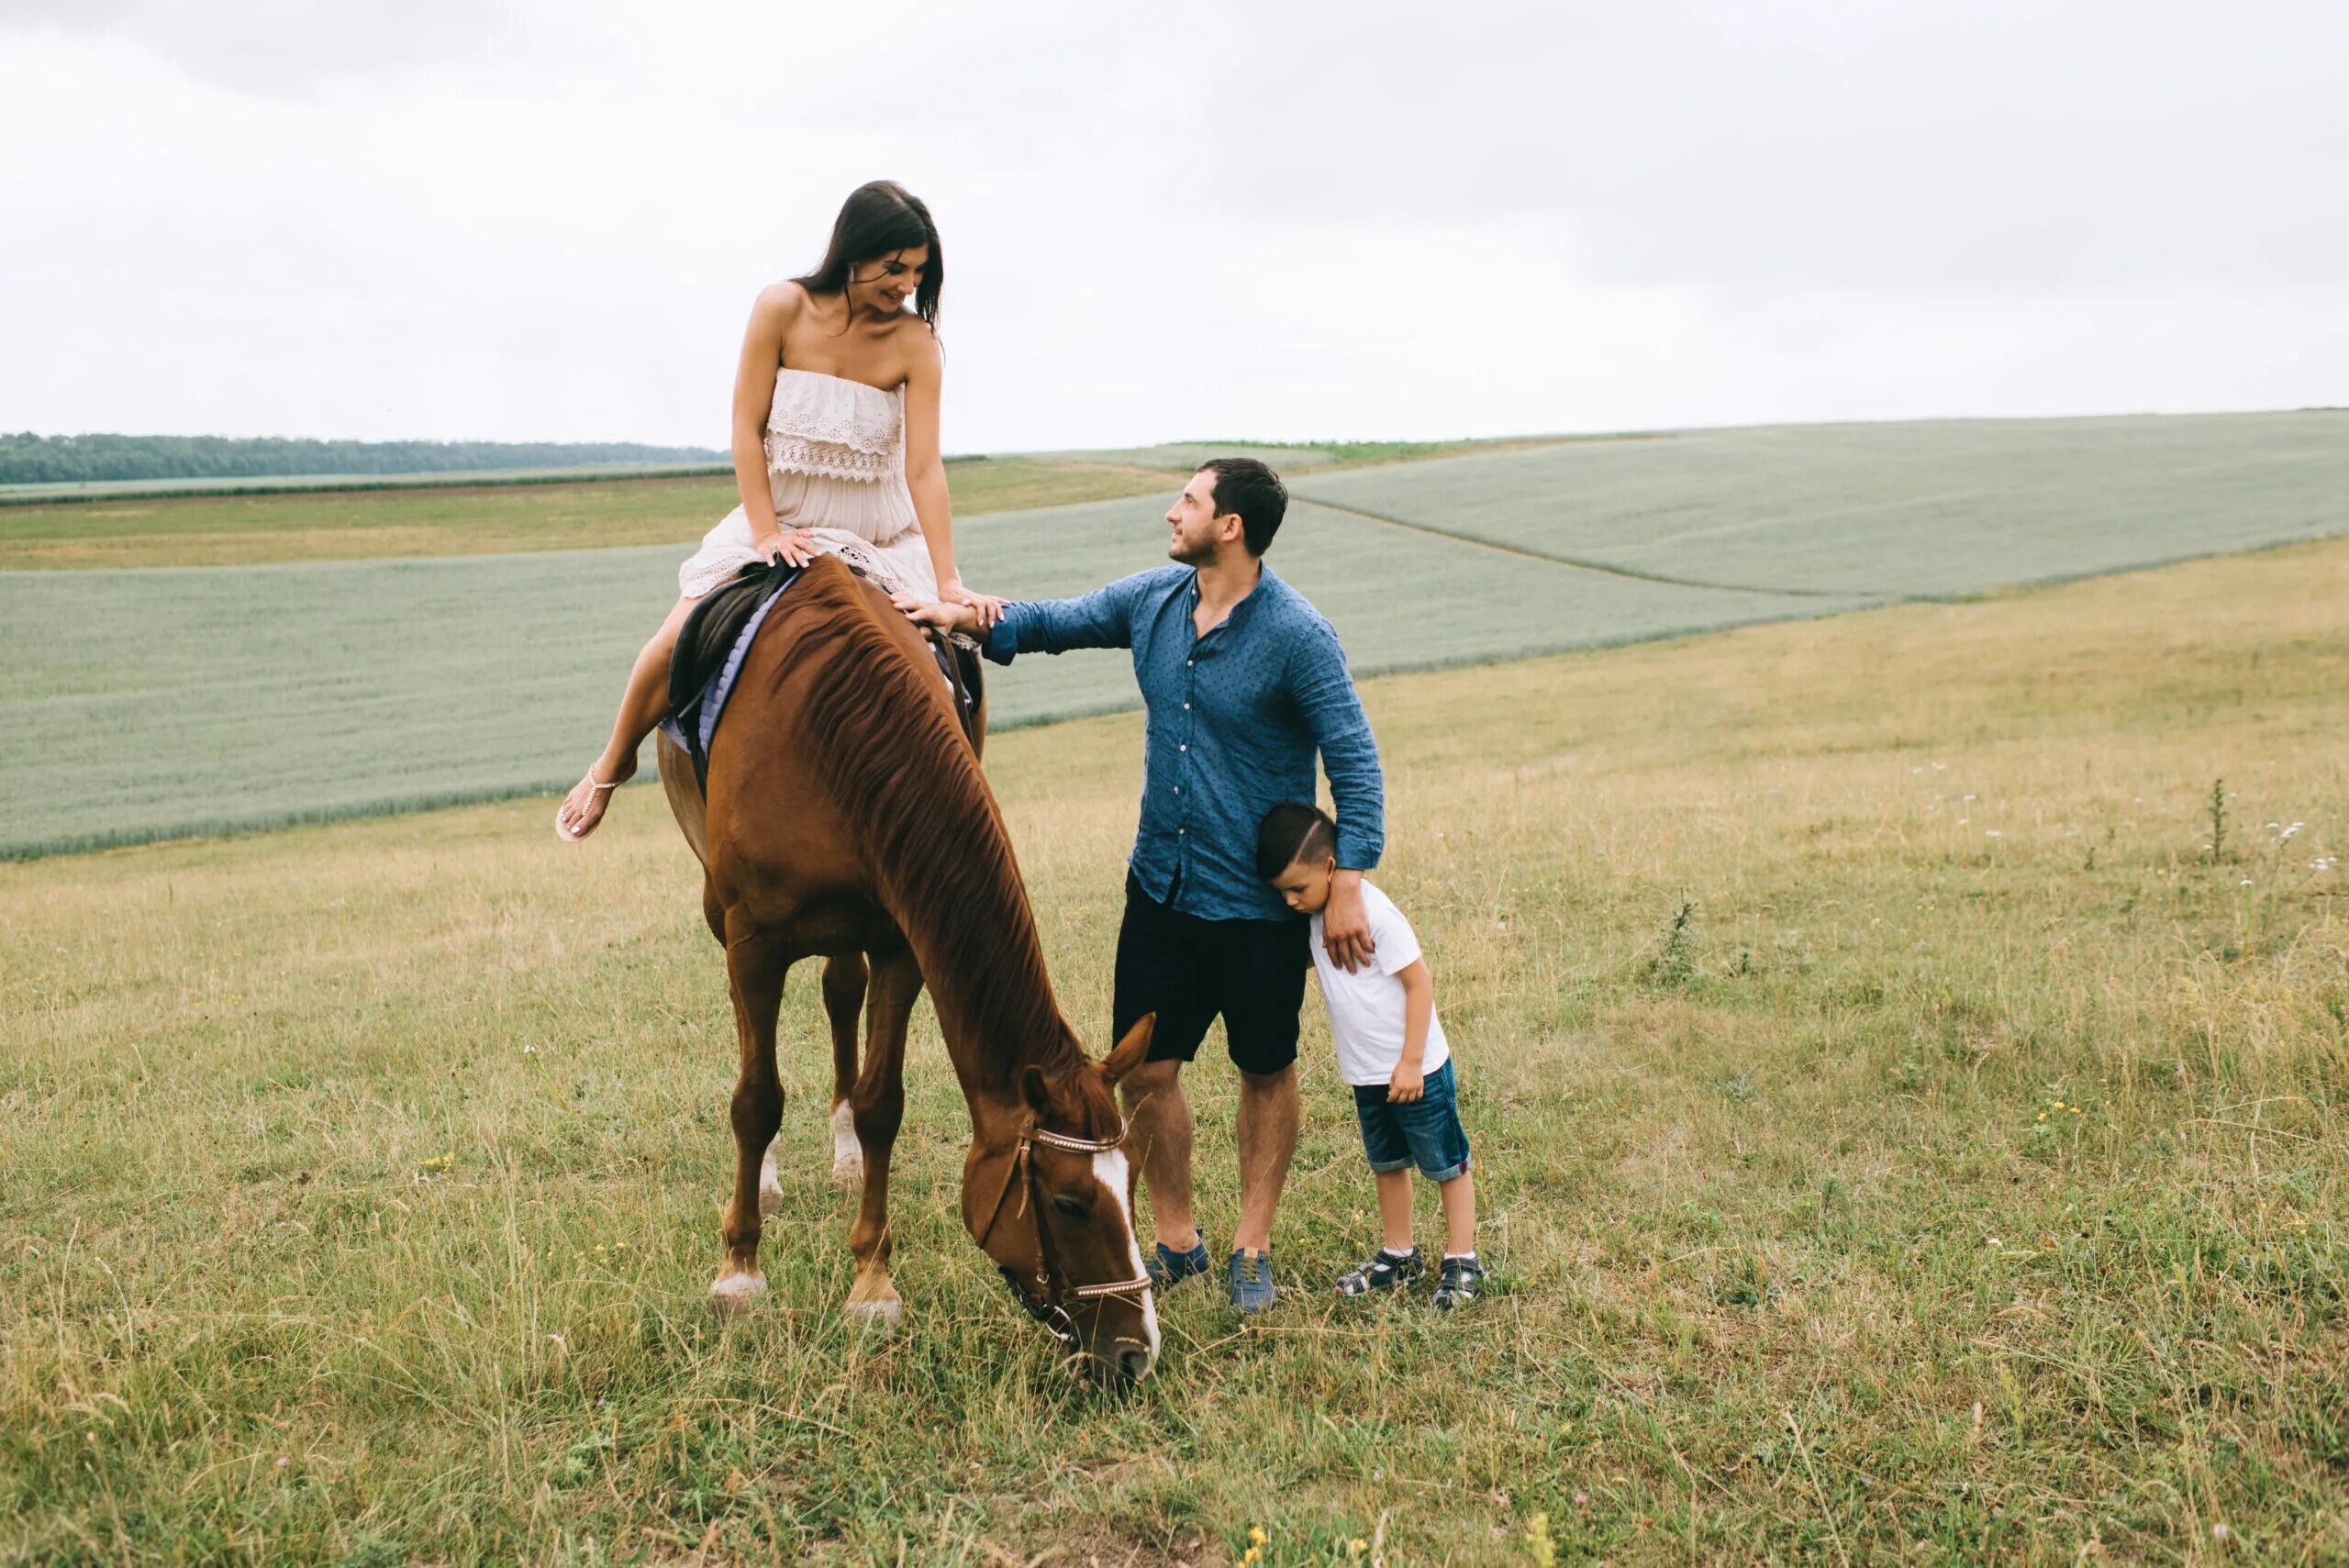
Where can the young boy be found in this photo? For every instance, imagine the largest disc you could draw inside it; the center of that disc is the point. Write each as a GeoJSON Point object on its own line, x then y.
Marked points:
{"type": "Point", "coordinates": [1392, 1051]}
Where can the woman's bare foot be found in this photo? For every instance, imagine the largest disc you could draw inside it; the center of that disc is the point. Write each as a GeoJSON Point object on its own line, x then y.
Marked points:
{"type": "Point", "coordinates": [584, 807]}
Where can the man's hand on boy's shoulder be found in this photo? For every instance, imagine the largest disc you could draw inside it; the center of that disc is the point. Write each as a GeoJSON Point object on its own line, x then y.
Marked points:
{"type": "Point", "coordinates": [1407, 1083]}
{"type": "Point", "coordinates": [1345, 923]}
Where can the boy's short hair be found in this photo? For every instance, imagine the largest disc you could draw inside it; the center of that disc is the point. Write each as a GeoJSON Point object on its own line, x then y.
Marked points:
{"type": "Point", "coordinates": [1292, 831]}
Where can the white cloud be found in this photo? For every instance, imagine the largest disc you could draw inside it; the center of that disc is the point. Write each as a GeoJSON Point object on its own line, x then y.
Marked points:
{"type": "Point", "coordinates": [534, 220]}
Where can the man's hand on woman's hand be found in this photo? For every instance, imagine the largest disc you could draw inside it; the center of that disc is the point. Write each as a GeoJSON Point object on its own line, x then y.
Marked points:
{"type": "Point", "coordinates": [1345, 923]}
{"type": "Point", "coordinates": [988, 608]}
{"type": "Point", "coordinates": [796, 548]}
{"type": "Point", "coordinates": [937, 612]}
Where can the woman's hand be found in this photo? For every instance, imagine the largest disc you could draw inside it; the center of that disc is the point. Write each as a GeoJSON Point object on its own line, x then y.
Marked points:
{"type": "Point", "coordinates": [988, 608]}
{"type": "Point", "coordinates": [796, 547]}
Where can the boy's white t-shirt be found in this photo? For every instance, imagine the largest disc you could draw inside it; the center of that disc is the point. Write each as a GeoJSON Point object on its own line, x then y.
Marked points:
{"type": "Point", "coordinates": [1367, 1006]}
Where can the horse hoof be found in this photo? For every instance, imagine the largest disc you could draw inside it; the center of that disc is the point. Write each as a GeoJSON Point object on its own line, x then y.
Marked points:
{"type": "Point", "coordinates": [887, 1311]}
{"type": "Point", "coordinates": [770, 1202]}
{"type": "Point", "coordinates": [733, 1296]}
{"type": "Point", "coordinates": [849, 1175]}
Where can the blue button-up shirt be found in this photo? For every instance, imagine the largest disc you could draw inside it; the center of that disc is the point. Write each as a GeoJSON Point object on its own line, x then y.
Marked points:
{"type": "Point", "coordinates": [1234, 721]}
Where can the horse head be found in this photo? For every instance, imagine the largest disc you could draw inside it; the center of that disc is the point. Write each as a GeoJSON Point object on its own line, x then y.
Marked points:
{"type": "Point", "coordinates": [1048, 1194]}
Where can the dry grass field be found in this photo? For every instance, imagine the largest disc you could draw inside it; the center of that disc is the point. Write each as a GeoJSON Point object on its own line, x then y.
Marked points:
{"type": "Point", "coordinates": [1907, 1055]}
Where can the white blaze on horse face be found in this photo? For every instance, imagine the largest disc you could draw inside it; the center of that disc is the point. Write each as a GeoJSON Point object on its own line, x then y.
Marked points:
{"type": "Point", "coordinates": [1111, 1170]}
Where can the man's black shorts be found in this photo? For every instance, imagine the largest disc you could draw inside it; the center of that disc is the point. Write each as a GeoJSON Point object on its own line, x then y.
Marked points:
{"type": "Point", "coordinates": [1187, 970]}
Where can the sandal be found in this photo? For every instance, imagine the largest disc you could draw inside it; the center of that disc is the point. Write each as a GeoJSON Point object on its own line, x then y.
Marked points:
{"type": "Point", "coordinates": [1386, 1269]}
{"type": "Point", "coordinates": [565, 834]}
{"type": "Point", "coordinates": [1463, 1279]}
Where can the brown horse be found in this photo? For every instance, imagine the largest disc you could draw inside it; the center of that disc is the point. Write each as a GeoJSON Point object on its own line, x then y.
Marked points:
{"type": "Point", "coordinates": [846, 819]}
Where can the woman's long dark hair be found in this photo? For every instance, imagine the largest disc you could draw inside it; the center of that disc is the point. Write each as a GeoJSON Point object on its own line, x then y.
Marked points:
{"type": "Point", "coordinates": [878, 218]}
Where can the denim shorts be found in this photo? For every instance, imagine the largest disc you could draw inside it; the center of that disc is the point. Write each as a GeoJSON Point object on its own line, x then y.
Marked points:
{"type": "Point", "coordinates": [1426, 1132]}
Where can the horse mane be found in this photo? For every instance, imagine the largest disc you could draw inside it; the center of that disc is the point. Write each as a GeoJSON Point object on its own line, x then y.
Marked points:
{"type": "Point", "coordinates": [934, 839]}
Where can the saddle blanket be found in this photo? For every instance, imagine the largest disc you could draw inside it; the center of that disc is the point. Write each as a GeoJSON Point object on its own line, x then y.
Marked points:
{"type": "Point", "coordinates": [717, 638]}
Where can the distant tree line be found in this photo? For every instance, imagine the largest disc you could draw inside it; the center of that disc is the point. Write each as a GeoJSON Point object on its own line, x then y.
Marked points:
{"type": "Point", "coordinates": [28, 458]}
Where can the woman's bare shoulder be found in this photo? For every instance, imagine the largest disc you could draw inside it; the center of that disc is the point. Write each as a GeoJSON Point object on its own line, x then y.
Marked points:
{"type": "Point", "coordinates": [779, 303]}
{"type": "Point", "coordinates": [918, 342]}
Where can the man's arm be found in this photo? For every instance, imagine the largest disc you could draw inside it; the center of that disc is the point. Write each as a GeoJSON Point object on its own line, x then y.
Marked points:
{"type": "Point", "coordinates": [1103, 619]}
{"type": "Point", "coordinates": [1325, 694]}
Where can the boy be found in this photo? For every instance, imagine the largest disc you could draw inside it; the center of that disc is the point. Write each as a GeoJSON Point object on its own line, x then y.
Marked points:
{"type": "Point", "coordinates": [1392, 1051]}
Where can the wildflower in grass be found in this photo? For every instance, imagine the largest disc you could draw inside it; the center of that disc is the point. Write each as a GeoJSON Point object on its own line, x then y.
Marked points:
{"type": "Point", "coordinates": [1538, 1541]}
{"type": "Point", "coordinates": [1993, 833]}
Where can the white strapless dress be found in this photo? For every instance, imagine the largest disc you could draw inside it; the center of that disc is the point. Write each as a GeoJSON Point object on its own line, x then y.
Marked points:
{"type": "Point", "coordinates": [836, 463]}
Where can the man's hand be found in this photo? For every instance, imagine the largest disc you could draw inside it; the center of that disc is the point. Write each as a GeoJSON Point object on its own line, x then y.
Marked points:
{"type": "Point", "coordinates": [989, 607]}
{"type": "Point", "coordinates": [937, 612]}
{"type": "Point", "coordinates": [1408, 1083]}
{"type": "Point", "coordinates": [1345, 923]}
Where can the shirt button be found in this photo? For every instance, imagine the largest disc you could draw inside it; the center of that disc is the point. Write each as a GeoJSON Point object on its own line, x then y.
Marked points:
{"type": "Point", "coordinates": [1188, 663]}
{"type": "Point", "coordinates": [1181, 748]}
{"type": "Point", "coordinates": [1186, 707]}
{"type": "Point", "coordinates": [1180, 831]}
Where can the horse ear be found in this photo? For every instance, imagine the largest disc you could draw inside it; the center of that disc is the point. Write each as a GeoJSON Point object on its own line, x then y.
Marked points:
{"type": "Point", "coordinates": [1131, 1050]}
{"type": "Point", "coordinates": [1032, 1085]}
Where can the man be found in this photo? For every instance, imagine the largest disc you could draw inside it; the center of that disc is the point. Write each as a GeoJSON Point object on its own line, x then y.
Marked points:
{"type": "Point", "coordinates": [1244, 683]}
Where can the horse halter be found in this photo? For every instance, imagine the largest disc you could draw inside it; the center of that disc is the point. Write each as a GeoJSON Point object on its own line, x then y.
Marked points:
{"type": "Point", "coordinates": [1046, 1306]}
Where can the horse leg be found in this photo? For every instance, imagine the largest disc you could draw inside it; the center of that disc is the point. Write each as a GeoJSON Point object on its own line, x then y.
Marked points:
{"type": "Point", "coordinates": [877, 1105]}
{"type": "Point", "coordinates": [844, 979]}
{"type": "Point", "coordinates": [756, 962]}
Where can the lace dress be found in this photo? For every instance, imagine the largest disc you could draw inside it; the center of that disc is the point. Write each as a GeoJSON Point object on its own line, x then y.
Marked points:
{"type": "Point", "coordinates": [836, 461]}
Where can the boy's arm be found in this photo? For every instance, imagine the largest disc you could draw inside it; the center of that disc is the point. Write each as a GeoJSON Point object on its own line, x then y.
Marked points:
{"type": "Point", "coordinates": [1409, 1083]}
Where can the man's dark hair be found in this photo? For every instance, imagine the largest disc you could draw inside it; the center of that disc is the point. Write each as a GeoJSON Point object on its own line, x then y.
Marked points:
{"type": "Point", "coordinates": [1292, 831]}
{"type": "Point", "coordinates": [1246, 487]}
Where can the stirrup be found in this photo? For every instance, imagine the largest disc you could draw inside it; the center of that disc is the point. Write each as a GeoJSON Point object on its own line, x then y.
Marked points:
{"type": "Point", "coordinates": [563, 833]}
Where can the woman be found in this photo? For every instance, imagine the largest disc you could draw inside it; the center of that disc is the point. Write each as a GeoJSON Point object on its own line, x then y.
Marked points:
{"type": "Point", "coordinates": [835, 449]}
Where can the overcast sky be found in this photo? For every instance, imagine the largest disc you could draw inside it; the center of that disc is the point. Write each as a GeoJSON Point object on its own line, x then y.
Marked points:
{"type": "Point", "coordinates": [522, 219]}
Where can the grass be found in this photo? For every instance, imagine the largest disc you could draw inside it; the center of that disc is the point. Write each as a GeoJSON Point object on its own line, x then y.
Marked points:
{"type": "Point", "coordinates": [1898, 1138]}
{"type": "Point", "coordinates": [1183, 457]}
{"type": "Point", "coordinates": [183, 701]}
{"type": "Point", "coordinates": [244, 531]}
{"type": "Point", "coordinates": [1926, 509]}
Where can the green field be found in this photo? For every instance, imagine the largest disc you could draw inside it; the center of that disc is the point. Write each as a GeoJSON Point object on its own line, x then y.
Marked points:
{"type": "Point", "coordinates": [1888, 509]}
{"type": "Point", "coordinates": [476, 519]}
{"type": "Point", "coordinates": [158, 703]}
{"type": "Point", "coordinates": [151, 703]}
{"type": "Point", "coordinates": [1967, 1182]}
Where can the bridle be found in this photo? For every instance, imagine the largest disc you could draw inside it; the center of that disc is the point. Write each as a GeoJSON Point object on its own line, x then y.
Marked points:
{"type": "Point", "coordinates": [1048, 1304]}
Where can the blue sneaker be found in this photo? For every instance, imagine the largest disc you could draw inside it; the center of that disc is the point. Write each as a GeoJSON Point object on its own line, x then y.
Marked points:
{"type": "Point", "coordinates": [1167, 1266]}
{"type": "Point", "coordinates": [1251, 1281]}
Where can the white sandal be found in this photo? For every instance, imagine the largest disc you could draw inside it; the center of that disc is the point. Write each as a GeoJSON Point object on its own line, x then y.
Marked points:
{"type": "Point", "coordinates": [565, 834]}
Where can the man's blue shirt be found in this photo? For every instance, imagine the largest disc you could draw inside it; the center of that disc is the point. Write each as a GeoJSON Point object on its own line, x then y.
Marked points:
{"type": "Point", "coordinates": [1234, 721]}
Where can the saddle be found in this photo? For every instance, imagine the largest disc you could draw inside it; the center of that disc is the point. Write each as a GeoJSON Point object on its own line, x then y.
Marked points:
{"type": "Point", "coordinates": [717, 638]}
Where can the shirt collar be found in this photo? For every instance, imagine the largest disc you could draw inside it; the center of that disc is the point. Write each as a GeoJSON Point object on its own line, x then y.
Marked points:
{"type": "Point", "coordinates": [1239, 612]}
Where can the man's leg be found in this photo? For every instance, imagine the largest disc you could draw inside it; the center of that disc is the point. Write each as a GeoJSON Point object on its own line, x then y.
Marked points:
{"type": "Point", "coordinates": [1261, 982]}
{"type": "Point", "coordinates": [1268, 1116]}
{"type": "Point", "coordinates": [1159, 1119]}
{"type": "Point", "coordinates": [1159, 973]}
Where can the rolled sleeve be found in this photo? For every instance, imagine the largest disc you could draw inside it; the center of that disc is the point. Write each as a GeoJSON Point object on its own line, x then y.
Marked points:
{"type": "Point", "coordinates": [1333, 710]}
{"type": "Point", "coordinates": [1103, 619]}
